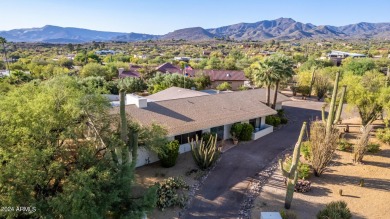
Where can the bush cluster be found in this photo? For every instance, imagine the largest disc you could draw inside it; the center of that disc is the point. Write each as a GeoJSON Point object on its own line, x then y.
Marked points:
{"type": "Point", "coordinates": [169, 154]}
{"type": "Point", "coordinates": [373, 148]}
{"type": "Point", "coordinates": [344, 145]}
{"type": "Point", "coordinates": [171, 193]}
{"type": "Point", "coordinates": [335, 210]}
{"type": "Point", "coordinates": [306, 150]}
{"type": "Point", "coordinates": [246, 132]}
{"type": "Point", "coordinates": [273, 120]}
{"type": "Point", "coordinates": [303, 169]}
{"type": "Point", "coordinates": [383, 135]}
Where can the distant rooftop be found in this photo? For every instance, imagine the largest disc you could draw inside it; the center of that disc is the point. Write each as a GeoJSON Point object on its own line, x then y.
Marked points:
{"type": "Point", "coordinates": [175, 93]}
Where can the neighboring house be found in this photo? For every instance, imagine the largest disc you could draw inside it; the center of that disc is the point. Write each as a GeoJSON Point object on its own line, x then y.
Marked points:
{"type": "Point", "coordinates": [185, 117]}
{"type": "Point", "coordinates": [105, 52]}
{"type": "Point", "coordinates": [217, 77]}
{"type": "Point", "coordinates": [132, 72]}
{"type": "Point", "coordinates": [337, 56]}
{"type": "Point", "coordinates": [169, 68]}
{"type": "Point", "coordinates": [184, 59]}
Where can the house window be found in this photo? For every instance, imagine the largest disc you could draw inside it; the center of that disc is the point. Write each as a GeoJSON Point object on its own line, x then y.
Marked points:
{"type": "Point", "coordinates": [183, 139]}
{"type": "Point", "coordinates": [219, 131]}
{"type": "Point", "coordinates": [253, 123]}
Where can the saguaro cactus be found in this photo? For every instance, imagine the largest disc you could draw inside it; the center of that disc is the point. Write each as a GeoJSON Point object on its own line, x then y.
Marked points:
{"type": "Point", "coordinates": [292, 174]}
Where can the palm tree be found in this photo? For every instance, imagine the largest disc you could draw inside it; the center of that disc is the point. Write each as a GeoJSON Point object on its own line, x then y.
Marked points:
{"type": "Point", "coordinates": [3, 41]}
{"type": "Point", "coordinates": [264, 75]}
{"type": "Point", "coordinates": [272, 71]}
{"type": "Point", "coordinates": [283, 66]}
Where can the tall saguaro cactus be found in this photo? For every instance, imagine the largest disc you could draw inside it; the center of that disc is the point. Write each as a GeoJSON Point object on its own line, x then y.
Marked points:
{"type": "Point", "coordinates": [130, 138]}
{"type": "Point", "coordinates": [334, 113]}
{"type": "Point", "coordinates": [324, 136]}
{"type": "Point", "coordinates": [292, 174]}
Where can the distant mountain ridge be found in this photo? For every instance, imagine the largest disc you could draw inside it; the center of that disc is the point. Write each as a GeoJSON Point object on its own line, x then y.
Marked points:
{"type": "Point", "coordinates": [279, 29]}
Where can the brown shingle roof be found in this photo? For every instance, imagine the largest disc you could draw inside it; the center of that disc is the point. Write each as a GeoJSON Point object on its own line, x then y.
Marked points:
{"type": "Point", "coordinates": [221, 75]}
{"type": "Point", "coordinates": [196, 113]}
{"type": "Point", "coordinates": [175, 93]}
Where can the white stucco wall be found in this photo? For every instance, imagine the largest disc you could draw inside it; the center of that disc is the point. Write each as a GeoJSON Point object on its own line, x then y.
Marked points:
{"type": "Point", "coordinates": [265, 131]}
{"type": "Point", "coordinates": [278, 106]}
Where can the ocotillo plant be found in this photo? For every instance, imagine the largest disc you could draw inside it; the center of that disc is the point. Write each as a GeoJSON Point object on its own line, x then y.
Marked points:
{"type": "Point", "coordinates": [292, 174]}
{"type": "Point", "coordinates": [204, 153]}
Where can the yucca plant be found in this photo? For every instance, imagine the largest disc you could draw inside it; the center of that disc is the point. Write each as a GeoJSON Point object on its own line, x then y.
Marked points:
{"type": "Point", "coordinates": [204, 153]}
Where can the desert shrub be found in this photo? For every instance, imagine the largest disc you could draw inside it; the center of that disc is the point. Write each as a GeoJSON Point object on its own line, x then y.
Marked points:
{"type": "Point", "coordinates": [383, 135]}
{"type": "Point", "coordinates": [224, 86]}
{"type": "Point", "coordinates": [322, 151]}
{"type": "Point", "coordinates": [305, 150]}
{"type": "Point", "coordinates": [246, 132]}
{"type": "Point", "coordinates": [204, 153]}
{"type": "Point", "coordinates": [287, 214]}
{"type": "Point", "coordinates": [344, 145]}
{"type": "Point", "coordinates": [283, 120]}
{"type": "Point", "coordinates": [236, 130]}
{"type": "Point", "coordinates": [373, 148]}
{"type": "Point", "coordinates": [304, 169]}
{"type": "Point", "coordinates": [280, 112]}
{"type": "Point", "coordinates": [171, 193]}
{"type": "Point", "coordinates": [169, 153]}
{"type": "Point", "coordinates": [335, 210]}
{"type": "Point", "coordinates": [272, 120]}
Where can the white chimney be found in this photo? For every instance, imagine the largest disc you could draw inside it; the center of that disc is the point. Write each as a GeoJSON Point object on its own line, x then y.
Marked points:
{"type": "Point", "coordinates": [120, 71]}
{"type": "Point", "coordinates": [140, 102]}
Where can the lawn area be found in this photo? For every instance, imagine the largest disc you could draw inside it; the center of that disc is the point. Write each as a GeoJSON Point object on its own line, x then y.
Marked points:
{"type": "Point", "coordinates": [370, 201]}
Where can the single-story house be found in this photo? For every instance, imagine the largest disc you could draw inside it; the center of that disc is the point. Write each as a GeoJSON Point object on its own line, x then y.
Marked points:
{"type": "Point", "coordinates": [132, 72]}
{"type": "Point", "coordinates": [187, 117]}
{"type": "Point", "coordinates": [217, 77]}
{"type": "Point", "coordinates": [169, 68]}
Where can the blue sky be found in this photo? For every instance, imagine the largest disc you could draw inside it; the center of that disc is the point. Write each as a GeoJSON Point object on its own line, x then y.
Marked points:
{"type": "Point", "coordinates": [162, 16]}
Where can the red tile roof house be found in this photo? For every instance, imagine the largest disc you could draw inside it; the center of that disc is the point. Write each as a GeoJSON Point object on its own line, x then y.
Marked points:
{"type": "Point", "coordinates": [132, 72]}
{"type": "Point", "coordinates": [217, 77]}
{"type": "Point", "coordinates": [169, 68]}
{"type": "Point", "coordinates": [186, 113]}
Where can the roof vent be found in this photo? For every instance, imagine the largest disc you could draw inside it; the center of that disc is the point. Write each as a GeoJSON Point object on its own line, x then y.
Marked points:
{"type": "Point", "coordinates": [228, 75]}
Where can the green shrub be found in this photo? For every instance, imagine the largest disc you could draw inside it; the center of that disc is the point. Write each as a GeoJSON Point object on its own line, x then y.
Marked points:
{"type": "Point", "coordinates": [283, 120]}
{"type": "Point", "coordinates": [224, 86]}
{"type": "Point", "coordinates": [287, 214]}
{"type": "Point", "coordinates": [171, 193]}
{"type": "Point", "coordinates": [169, 153]}
{"type": "Point", "coordinates": [304, 169]}
{"type": "Point", "coordinates": [280, 113]}
{"type": "Point", "coordinates": [383, 135]}
{"type": "Point", "coordinates": [272, 120]}
{"type": "Point", "coordinates": [306, 150]}
{"type": "Point", "coordinates": [246, 132]}
{"type": "Point", "coordinates": [344, 145]}
{"type": "Point", "coordinates": [236, 130]}
{"type": "Point", "coordinates": [373, 148]}
{"type": "Point", "coordinates": [335, 210]}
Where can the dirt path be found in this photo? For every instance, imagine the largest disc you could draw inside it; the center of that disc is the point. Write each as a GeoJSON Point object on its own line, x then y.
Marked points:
{"type": "Point", "coordinates": [224, 189]}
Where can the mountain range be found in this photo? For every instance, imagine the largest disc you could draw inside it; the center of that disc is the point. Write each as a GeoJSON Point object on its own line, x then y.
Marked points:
{"type": "Point", "coordinates": [279, 29]}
